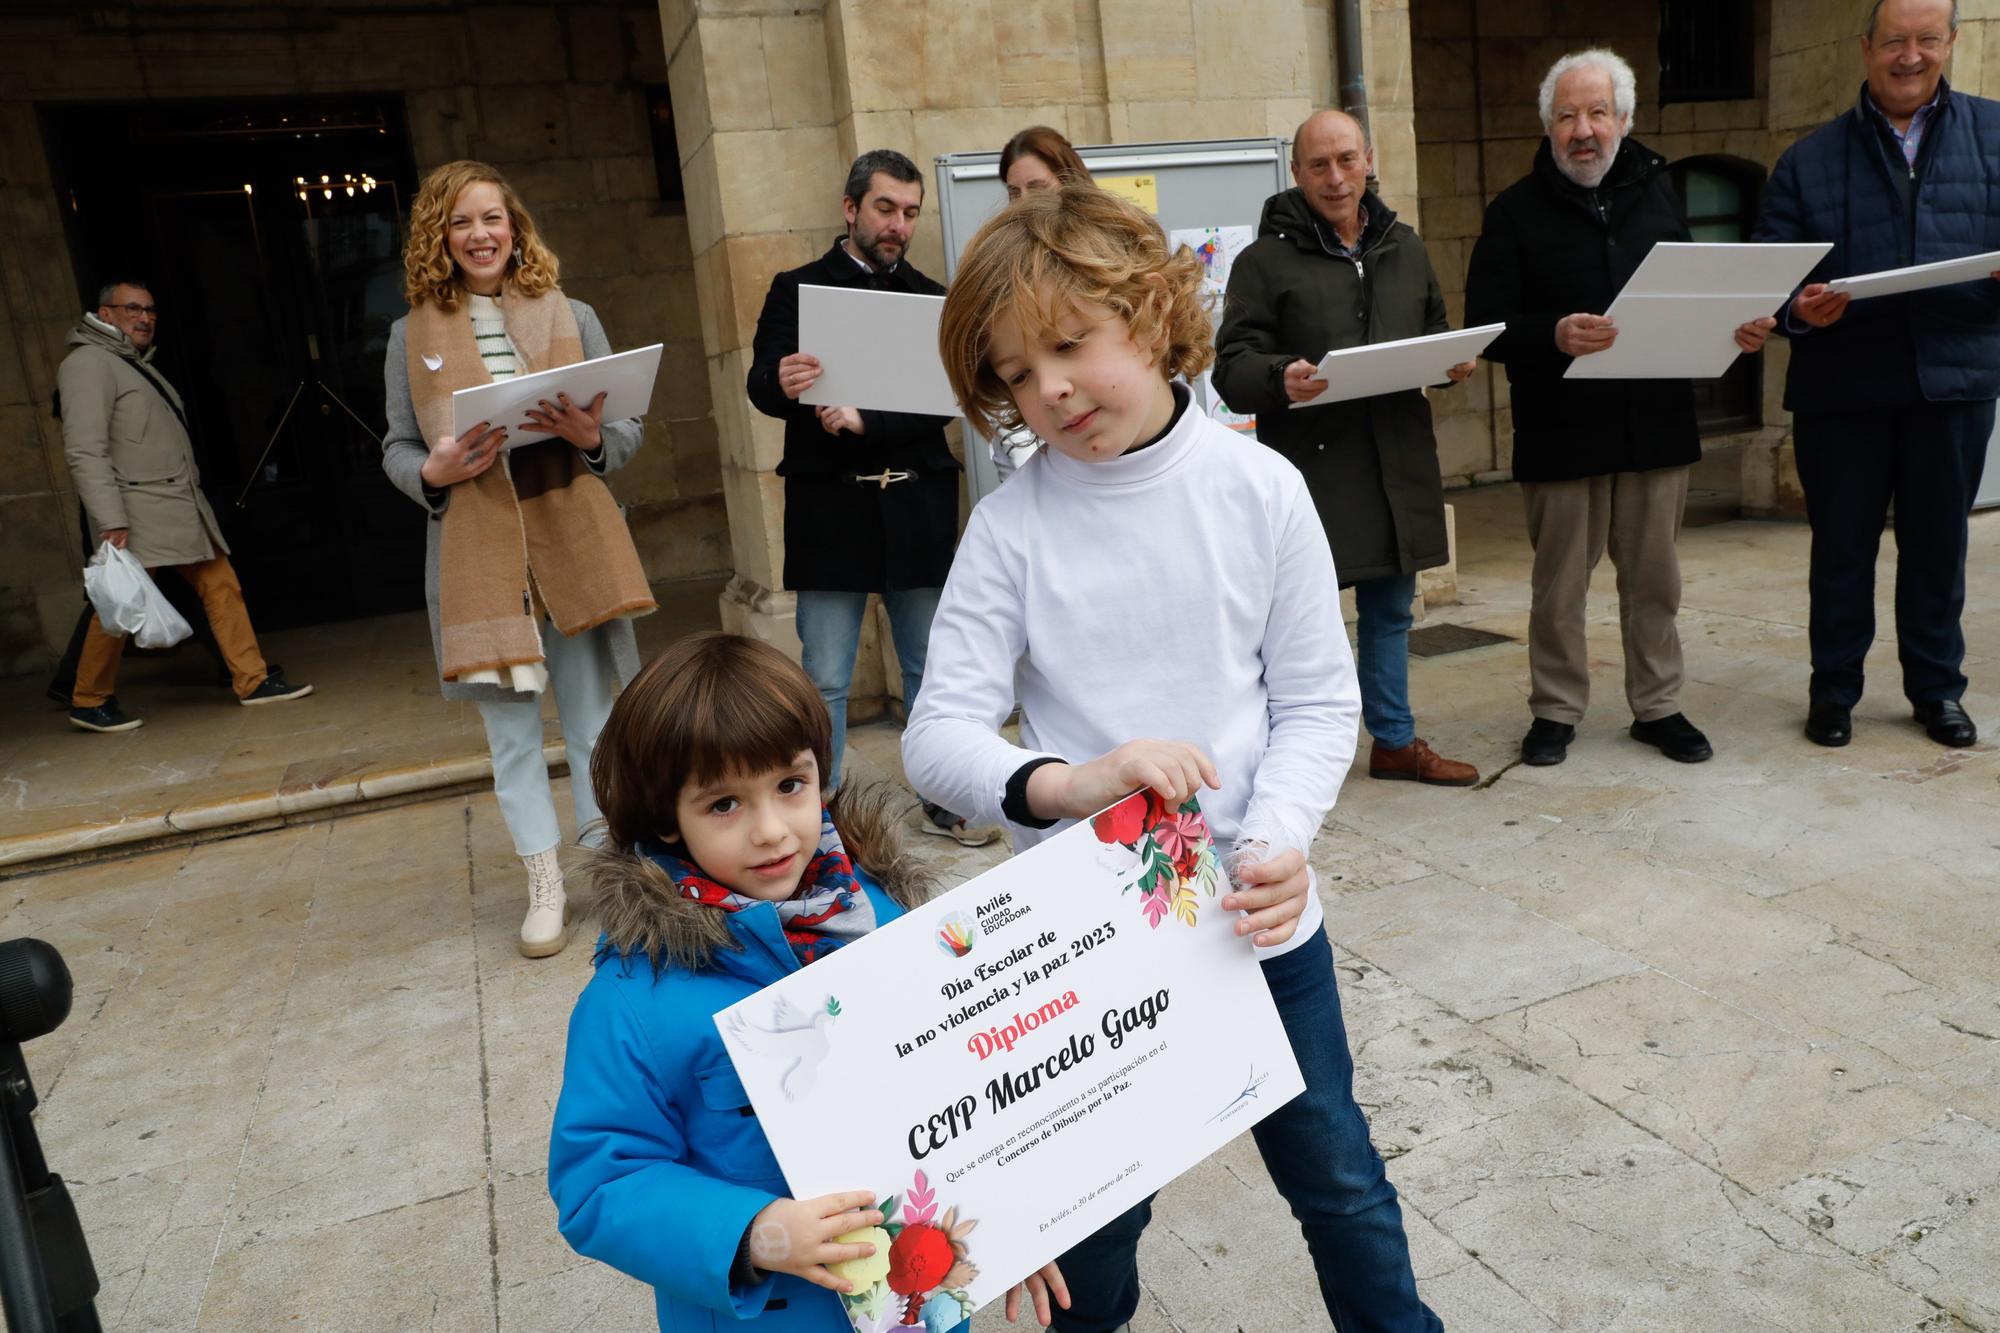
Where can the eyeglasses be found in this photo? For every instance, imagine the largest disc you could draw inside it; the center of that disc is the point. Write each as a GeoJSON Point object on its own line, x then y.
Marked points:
{"type": "Point", "coordinates": [134, 309]}
{"type": "Point", "coordinates": [1930, 44]}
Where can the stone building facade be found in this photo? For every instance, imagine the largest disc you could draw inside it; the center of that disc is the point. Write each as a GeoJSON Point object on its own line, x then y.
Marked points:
{"type": "Point", "coordinates": [555, 94]}
{"type": "Point", "coordinates": [1477, 68]}
{"type": "Point", "coordinates": [768, 102]}
{"type": "Point", "coordinates": [774, 101]}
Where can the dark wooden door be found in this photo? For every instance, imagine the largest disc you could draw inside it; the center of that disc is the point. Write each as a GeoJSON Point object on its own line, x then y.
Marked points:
{"type": "Point", "coordinates": [271, 233]}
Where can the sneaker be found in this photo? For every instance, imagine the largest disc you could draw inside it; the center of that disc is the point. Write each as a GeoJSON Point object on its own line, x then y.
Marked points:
{"type": "Point", "coordinates": [106, 716]}
{"type": "Point", "coordinates": [944, 824]}
{"type": "Point", "coordinates": [1546, 743]}
{"type": "Point", "coordinates": [1677, 738]}
{"type": "Point", "coordinates": [275, 689]}
{"type": "Point", "coordinates": [1418, 762]}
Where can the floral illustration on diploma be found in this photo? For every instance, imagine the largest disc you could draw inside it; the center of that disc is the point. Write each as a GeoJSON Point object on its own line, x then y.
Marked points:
{"type": "Point", "coordinates": [917, 1277]}
{"type": "Point", "coordinates": [1178, 864]}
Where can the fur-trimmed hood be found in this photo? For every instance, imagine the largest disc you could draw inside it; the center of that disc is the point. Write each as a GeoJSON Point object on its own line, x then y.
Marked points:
{"type": "Point", "coordinates": [644, 915]}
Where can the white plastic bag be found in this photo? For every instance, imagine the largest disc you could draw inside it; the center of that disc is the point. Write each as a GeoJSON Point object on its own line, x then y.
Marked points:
{"type": "Point", "coordinates": [127, 602]}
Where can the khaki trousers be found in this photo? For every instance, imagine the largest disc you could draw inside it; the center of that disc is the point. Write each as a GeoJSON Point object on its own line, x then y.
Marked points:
{"type": "Point", "coordinates": [1636, 516]}
{"type": "Point", "coordinates": [214, 581]}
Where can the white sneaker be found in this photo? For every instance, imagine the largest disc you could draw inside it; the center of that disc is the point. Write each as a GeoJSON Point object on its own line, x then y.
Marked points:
{"type": "Point", "coordinates": [545, 929]}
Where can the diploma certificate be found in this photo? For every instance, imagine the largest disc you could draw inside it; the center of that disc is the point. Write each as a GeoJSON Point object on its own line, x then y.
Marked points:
{"type": "Point", "coordinates": [1017, 1062]}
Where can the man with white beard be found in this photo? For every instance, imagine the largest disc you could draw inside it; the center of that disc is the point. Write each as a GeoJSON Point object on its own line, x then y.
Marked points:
{"type": "Point", "coordinates": [1603, 464]}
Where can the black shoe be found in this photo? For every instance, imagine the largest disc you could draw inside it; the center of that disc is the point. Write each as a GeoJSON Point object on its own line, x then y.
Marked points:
{"type": "Point", "coordinates": [57, 694]}
{"type": "Point", "coordinates": [107, 716]}
{"type": "Point", "coordinates": [1546, 742]}
{"type": "Point", "coordinates": [275, 689]}
{"type": "Point", "coordinates": [1831, 725]}
{"type": "Point", "coordinates": [1677, 738]}
{"type": "Point", "coordinates": [1946, 723]}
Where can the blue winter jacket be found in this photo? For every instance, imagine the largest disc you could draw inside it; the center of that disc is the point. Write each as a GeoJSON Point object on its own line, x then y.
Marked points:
{"type": "Point", "coordinates": [1836, 184]}
{"type": "Point", "coordinates": [656, 1161]}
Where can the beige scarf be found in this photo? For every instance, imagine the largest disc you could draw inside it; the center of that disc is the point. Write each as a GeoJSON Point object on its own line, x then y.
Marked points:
{"type": "Point", "coordinates": [552, 526]}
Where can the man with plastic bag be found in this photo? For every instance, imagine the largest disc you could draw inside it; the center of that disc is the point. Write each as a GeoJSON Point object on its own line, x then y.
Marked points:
{"type": "Point", "coordinates": [126, 439]}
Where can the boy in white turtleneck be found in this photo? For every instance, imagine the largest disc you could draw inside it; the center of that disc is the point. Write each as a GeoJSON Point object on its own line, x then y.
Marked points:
{"type": "Point", "coordinates": [1150, 575]}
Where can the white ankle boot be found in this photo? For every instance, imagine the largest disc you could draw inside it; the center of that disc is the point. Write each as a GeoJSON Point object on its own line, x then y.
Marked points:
{"type": "Point", "coordinates": [545, 930]}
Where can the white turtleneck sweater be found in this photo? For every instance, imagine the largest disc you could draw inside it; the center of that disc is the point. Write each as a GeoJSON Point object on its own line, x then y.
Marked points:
{"type": "Point", "coordinates": [1182, 592]}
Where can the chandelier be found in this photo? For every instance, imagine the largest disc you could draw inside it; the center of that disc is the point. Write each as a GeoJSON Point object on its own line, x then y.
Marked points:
{"type": "Point", "coordinates": [326, 185]}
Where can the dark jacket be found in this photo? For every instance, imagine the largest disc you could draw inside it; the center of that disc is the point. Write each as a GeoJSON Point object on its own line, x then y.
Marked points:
{"type": "Point", "coordinates": [1549, 249]}
{"type": "Point", "coordinates": [1370, 464]}
{"type": "Point", "coordinates": [1846, 182]}
{"type": "Point", "coordinates": [842, 535]}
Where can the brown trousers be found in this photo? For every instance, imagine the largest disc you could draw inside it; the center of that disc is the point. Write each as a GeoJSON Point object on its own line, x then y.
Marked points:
{"type": "Point", "coordinates": [1571, 524]}
{"type": "Point", "coordinates": [214, 581]}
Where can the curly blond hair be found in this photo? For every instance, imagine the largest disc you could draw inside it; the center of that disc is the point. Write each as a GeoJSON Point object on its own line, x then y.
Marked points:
{"type": "Point", "coordinates": [1048, 252]}
{"type": "Point", "coordinates": [430, 273]}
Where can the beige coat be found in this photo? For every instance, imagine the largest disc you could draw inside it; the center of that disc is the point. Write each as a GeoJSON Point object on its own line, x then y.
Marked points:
{"type": "Point", "coordinates": [129, 455]}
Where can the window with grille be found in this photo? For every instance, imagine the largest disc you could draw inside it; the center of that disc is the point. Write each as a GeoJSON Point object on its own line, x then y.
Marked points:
{"type": "Point", "coordinates": [1708, 51]}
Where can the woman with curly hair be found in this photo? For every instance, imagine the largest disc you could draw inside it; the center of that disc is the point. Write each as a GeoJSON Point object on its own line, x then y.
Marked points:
{"type": "Point", "coordinates": [529, 571]}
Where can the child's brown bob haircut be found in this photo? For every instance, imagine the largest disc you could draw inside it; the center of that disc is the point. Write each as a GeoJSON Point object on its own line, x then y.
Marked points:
{"type": "Point", "coordinates": [711, 706]}
{"type": "Point", "coordinates": [1049, 251]}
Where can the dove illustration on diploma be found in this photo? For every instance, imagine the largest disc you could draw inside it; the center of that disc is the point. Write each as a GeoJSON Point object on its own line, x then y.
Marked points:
{"type": "Point", "coordinates": [789, 1037]}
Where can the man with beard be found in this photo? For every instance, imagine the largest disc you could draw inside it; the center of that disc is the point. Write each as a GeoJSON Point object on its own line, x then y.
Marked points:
{"type": "Point", "coordinates": [871, 498]}
{"type": "Point", "coordinates": [1892, 400]}
{"type": "Point", "coordinates": [1603, 464]}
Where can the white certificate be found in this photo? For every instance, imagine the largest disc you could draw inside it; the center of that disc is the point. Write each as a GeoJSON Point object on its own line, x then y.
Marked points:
{"type": "Point", "coordinates": [1677, 317]}
{"type": "Point", "coordinates": [624, 378]}
{"type": "Point", "coordinates": [1943, 273]}
{"type": "Point", "coordinates": [877, 350]}
{"type": "Point", "coordinates": [1406, 363]}
{"type": "Point", "coordinates": [1028, 1055]}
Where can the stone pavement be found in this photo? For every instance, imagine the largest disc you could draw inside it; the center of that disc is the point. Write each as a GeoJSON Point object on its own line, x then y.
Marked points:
{"type": "Point", "coordinates": [1649, 1047]}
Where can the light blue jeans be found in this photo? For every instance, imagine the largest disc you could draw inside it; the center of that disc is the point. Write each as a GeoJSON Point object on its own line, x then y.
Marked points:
{"type": "Point", "coordinates": [583, 678]}
{"type": "Point", "coordinates": [1382, 657]}
{"type": "Point", "coordinates": [830, 632]}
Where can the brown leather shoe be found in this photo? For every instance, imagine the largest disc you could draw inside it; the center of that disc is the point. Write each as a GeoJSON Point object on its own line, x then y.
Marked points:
{"type": "Point", "coordinates": [1418, 762]}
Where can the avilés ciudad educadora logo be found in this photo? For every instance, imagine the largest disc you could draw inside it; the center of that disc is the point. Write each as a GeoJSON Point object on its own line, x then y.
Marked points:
{"type": "Point", "coordinates": [957, 934]}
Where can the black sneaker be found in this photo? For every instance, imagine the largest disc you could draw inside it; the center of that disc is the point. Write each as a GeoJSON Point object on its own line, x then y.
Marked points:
{"type": "Point", "coordinates": [107, 716]}
{"type": "Point", "coordinates": [1546, 743]}
{"type": "Point", "coordinates": [275, 689]}
{"type": "Point", "coordinates": [1677, 738]}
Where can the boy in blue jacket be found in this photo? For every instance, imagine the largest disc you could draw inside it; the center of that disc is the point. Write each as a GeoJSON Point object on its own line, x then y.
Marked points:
{"type": "Point", "coordinates": [721, 872]}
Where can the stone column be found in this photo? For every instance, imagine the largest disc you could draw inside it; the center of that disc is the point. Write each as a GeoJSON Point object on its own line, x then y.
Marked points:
{"type": "Point", "coordinates": [754, 119]}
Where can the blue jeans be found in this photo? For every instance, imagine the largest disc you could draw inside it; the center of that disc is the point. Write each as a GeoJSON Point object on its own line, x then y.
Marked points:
{"type": "Point", "coordinates": [1317, 1150]}
{"type": "Point", "coordinates": [583, 679]}
{"type": "Point", "coordinates": [830, 631]}
{"type": "Point", "coordinates": [1382, 657]}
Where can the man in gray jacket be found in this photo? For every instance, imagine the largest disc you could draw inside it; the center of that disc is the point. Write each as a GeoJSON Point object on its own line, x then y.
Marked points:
{"type": "Point", "coordinates": [126, 439]}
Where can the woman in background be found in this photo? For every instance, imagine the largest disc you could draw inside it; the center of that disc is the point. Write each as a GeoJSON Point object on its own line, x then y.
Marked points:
{"type": "Point", "coordinates": [529, 570]}
{"type": "Point", "coordinates": [1039, 158]}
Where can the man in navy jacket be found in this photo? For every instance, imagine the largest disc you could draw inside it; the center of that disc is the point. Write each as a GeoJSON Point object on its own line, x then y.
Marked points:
{"type": "Point", "coordinates": [1892, 399]}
